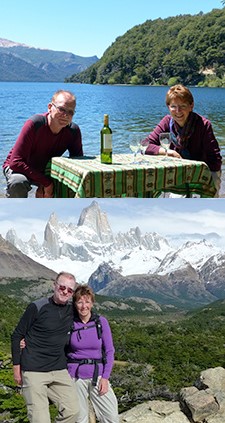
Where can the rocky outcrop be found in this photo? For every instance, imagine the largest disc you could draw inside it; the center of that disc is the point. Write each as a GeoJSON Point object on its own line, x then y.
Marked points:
{"type": "Point", "coordinates": [134, 238]}
{"type": "Point", "coordinates": [202, 403]}
{"type": "Point", "coordinates": [92, 217]}
{"type": "Point", "coordinates": [102, 277]}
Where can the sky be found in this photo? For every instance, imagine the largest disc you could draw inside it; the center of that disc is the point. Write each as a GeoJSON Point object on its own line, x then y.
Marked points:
{"type": "Point", "coordinates": [87, 27]}
{"type": "Point", "coordinates": [164, 216]}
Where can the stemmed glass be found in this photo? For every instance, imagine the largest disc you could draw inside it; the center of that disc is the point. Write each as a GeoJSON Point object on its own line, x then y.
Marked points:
{"type": "Point", "coordinates": [135, 147]}
{"type": "Point", "coordinates": [165, 140]}
{"type": "Point", "coordinates": [143, 149]}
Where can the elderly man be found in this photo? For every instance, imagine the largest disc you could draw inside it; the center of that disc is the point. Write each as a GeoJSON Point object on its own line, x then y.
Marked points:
{"type": "Point", "coordinates": [42, 137]}
{"type": "Point", "coordinates": [41, 367]}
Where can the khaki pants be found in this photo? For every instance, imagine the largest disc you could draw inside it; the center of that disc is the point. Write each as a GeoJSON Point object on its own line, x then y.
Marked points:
{"type": "Point", "coordinates": [105, 406]}
{"type": "Point", "coordinates": [57, 386]}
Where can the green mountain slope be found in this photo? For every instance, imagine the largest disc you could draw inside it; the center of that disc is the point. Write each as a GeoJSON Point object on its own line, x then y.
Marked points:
{"type": "Point", "coordinates": [185, 48]}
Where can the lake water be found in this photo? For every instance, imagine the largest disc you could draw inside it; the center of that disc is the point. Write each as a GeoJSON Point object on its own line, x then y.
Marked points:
{"type": "Point", "coordinates": [133, 110]}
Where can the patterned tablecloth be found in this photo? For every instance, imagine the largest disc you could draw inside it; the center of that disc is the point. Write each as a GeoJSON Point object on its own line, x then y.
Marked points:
{"type": "Point", "coordinates": [87, 177]}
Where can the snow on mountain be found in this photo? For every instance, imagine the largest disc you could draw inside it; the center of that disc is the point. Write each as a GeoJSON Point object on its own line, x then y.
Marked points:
{"type": "Point", "coordinates": [81, 248]}
{"type": "Point", "coordinates": [9, 43]}
{"type": "Point", "coordinates": [197, 253]}
{"type": "Point", "coordinates": [171, 263]}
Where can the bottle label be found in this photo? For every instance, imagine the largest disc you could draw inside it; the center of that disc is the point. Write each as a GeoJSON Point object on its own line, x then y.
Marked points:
{"type": "Point", "coordinates": [107, 141]}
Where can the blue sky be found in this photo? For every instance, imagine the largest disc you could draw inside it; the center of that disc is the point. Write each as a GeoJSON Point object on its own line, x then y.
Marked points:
{"type": "Point", "coordinates": [164, 216]}
{"type": "Point", "coordinates": [85, 27]}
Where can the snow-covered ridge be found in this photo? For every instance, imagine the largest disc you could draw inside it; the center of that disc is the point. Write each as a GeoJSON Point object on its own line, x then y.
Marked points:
{"type": "Point", "coordinates": [81, 248]}
{"type": "Point", "coordinates": [9, 43]}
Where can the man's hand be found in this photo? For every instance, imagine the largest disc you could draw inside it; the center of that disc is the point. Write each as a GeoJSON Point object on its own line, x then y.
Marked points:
{"type": "Point", "coordinates": [17, 374]}
{"type": "Point", "coordinates": [49, 191]}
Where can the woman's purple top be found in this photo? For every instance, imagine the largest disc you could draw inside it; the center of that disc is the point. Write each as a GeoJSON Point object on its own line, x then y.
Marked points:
{"type": "Point", "coordinates": [85, 344]}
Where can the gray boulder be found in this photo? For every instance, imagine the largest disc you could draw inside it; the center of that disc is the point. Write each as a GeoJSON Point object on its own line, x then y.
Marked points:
{"type": "Point", "coordinates": [202, 403]}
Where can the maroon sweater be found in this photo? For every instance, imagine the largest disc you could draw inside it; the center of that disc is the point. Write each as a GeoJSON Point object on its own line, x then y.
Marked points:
{"type": "Point", "coordinates": [202, 144]}
{"type": "Point", "coordinates": [36, 145]}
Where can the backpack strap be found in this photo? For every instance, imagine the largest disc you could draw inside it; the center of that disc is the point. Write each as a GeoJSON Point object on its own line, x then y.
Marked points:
{"type": "Point", "coordinates": [96, 323]}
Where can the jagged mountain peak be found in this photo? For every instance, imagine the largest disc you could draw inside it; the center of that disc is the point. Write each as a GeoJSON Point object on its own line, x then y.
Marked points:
{"type": "Point", "coordinates": [151, 241]}
{"type": "Point", "coordinates": [11, 236]}
{"type": "Point", "coordinates": [197, 252]}
{"type": "Point", "coordinates": [92, 217]}
{"type": "Point", "coordinates": [191, 253]}
{"type": "Point", "coordinates": [53, 219]}
{"type": "Point", "coordinates": [201, 242]}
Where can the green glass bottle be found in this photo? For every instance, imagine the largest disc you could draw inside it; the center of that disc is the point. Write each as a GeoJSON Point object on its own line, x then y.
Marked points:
{"type": "Point", "coordinates": [106, 142]}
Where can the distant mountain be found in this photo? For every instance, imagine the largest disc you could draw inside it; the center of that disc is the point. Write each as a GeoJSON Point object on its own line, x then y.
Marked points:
{"type": "Point", "coordinates": [177, 239]}
{"type": "Point", "coordinates": [22, 276]}
{"type": "Point", "coordinates": [185, 48]}
{"type": "Point", "coordinates": [129, 264]}
{"type": "Point", "coordinates": [19, 62]}
{"type": "Point", "coordinates": [15, 264]}
{"type": "Point", "coordinates": [182, 288]}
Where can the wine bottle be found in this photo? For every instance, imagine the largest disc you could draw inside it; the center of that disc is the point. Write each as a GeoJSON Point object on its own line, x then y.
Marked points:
{"type": "Point", "coordinates": [106, 142]}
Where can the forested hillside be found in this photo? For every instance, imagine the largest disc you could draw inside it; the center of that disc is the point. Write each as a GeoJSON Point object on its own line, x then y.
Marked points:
{"type": "Point", "coordinates": [185, 48]}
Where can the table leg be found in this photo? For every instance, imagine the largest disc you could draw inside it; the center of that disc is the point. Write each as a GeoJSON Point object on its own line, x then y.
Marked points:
{"type": "Point", "coordinates": [188, 194]}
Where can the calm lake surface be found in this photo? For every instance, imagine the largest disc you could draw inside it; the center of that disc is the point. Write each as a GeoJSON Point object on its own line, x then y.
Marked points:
{"type": "Point", "coordinates": [133, 111]}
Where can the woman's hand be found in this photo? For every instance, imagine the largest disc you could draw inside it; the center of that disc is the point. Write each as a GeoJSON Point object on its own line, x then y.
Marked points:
{"type": "Point", "coordinates": [103, 386]}
{"type": "Point", "coordinates": [173, 153]}
{"type": "Point", "coordinates": [170, 153]}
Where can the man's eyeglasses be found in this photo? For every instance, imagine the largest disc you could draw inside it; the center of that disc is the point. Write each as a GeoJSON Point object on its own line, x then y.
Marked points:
{"type": "Point", "coordinates": [64, 288]}
{"type": "Point", "coordinates": [63, 111]}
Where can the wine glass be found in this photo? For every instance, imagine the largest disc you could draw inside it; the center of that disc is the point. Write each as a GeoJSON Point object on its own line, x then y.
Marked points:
{"type": "Point", "coordinates": [135, 147]}
{"type": "Point", "coordinates": [165, 140]}
{"type": "Point", "coordinates": [142, 150]}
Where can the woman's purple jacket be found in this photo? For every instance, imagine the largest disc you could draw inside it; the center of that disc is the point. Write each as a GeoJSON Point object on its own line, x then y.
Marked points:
{"type": "Point", "coordinates": [85, 344]}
